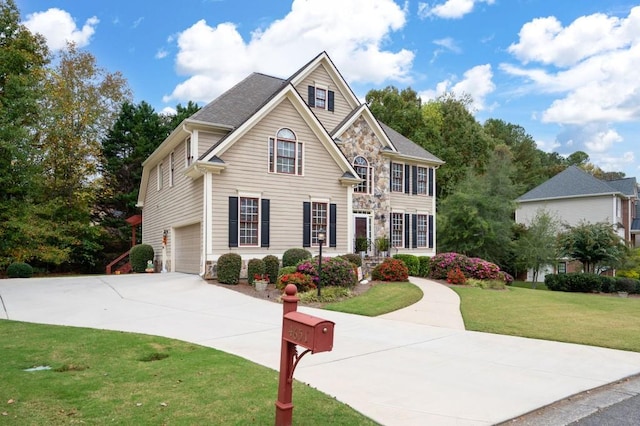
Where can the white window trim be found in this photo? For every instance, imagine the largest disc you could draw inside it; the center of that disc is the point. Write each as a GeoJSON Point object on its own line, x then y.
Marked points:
{"type": "Point", "coordinates": [426, 181]}
{"type": "Point", "coordinates": [188, 151]}
{"type": "Point", "coordinates": [299, 148]}
{"type": "Point", "coordinates": [426, 232]}
{"type": "Point", "coordinates": [369, 177]}
{"type": "Point", "coordinates": [259, 230]}
{"type": "Point", "coordinates": [326, 96]}
{"type": "Point", "coordinates": [402, 242]}
{"type": "Point", "coordinates": [160, 173]}
{"type": "Point", "coordinates": [402, 178]}
{"type": "Point", "coordinates": [326, 202]}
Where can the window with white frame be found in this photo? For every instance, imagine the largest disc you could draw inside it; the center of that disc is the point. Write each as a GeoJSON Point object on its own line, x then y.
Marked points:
{"type": "Point", "coordinates": [171, 169]}
{"type": "Point", "coordinates": [319, 220]}
{"type": "Point", "coordinates": [160, 176]}
{"type": "Point", "coordinates": [249, 221]}
{"type": "Point", "coordinates": [285, 153]}
{"type": "Point", "coordinates": [421, 181]}
{"type": "Point", "coordinates": [397, 177]}
{"type": "Point", "coordinates": [361, 165]}
{"type": "Point", "coordinates": [187, 150]}
{"type": "Point", "coordinates": [562, 267]}
{"type": "Point", "coordinates": [397, 229]}
{"type": "Point", "coordinates": [321, 98]}
{"type": "Point", "coordinates": [422, 226]}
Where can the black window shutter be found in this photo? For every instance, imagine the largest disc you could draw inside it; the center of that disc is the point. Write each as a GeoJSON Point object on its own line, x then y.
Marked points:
{"type": "Point", "coordinates": [406, 230]}
{"type": "Point", "coordinates": [264, 225]}
{"type": "Point", "coordinates": [407, 178]}
{"type": "Point", "coordinates": [390, 175]}
{"type": "Point", "coordinates": [233, 221]}
{"type": "Point", "coordinates": [312, 96]}
{"type": "Point", "coordinates": [333, 215]}
{"type": "Point", "coordinates": [414, 231]}
{"type": "Point", "coordinates": [430, 181]}
{"type": "Point", "coordinates": [390, 227]}
{"type": "Point", "coordinates": [330, 100]}
{"type": "Point", "coordinates": [414, 179]}
{"type": "Point", "coordinates": [306, 224]}
{"type": "Point", "coordinates": [430, 231]}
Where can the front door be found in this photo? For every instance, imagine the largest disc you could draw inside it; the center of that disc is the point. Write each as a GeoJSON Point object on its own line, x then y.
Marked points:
{"type": "Point", "coordinates": [362, 232]}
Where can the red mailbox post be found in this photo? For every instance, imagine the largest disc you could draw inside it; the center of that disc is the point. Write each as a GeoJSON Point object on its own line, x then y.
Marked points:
{"type": "Point", "coordinates": [312, 333]}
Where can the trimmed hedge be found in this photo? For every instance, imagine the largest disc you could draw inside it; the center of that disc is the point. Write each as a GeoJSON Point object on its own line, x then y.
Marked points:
{"type": "Point", "coordinates": [412, 262]}
{"type": "Point", "coordinates": [294, 256]}
{"type": "Point", "coordinates": [139, 256]}
{"type": "Point", "coordinates": [19, 270]}
{"type": "Point", "coordinates": [575, 282]}
{"type": "Point", "coordinates": [336, 271]}
{"type": "Point", "coordinates": [425, 266]}
{"type": "Point", "coordinates": [254, 267]}
{"type": "Point", "coordinates": [271, 267]}
{"type": "Point", "coordinates": [229, 266]}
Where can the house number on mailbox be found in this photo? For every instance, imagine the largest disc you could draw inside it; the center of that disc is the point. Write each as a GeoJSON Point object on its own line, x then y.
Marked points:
{"type": "Point", "coordinates": [298, 334]}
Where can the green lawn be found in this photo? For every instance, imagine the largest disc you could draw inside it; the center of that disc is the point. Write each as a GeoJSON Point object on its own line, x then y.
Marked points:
{"type": "Point", "coordinates": [528, 284]}
{"type": "Point", "coordinates": [381, 298]}
{"type": "Point", "coordinates": [104, 377]}
{"type": "Point", "coordinates": [590, 319]}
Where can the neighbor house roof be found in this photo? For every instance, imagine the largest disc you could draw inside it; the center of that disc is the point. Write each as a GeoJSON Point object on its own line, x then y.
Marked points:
{"type": "Point", "coordinates": [571, 182]}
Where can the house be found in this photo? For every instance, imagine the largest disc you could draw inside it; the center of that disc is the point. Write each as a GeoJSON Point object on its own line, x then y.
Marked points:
{"type": "Point", "coordinates": [271, 164]}
{"type": "Point", "coordinates": [575, 195]}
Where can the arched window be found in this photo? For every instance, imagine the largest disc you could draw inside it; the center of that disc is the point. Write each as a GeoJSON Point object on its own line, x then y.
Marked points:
{"type": "Point", "coordinates": [285, 153]}
{"type": "Point", "coordinates": [361, 165]}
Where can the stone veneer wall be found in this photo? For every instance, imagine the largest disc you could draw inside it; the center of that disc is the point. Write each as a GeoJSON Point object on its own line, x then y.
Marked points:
{"type": "Point", "coordinates": [360, 139]}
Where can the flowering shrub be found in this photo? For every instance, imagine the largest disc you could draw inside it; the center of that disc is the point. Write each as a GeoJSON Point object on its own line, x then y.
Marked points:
{"type": "Point", "coordinates": [391, 270]}
{"type": "Point", "coordinates": [506, 277]}
{"type": "Point", "coordinates": [336, 271]}
{"type": "Point", "coordinates": [261, 277]}
{"type": "Point", "coordinates": [442, 263]}
{"type": "Point", "coordinates": [482, 270]}
{"type": "Point", "coordinates": [456, 276]}
{"type": "Point", "coordinates": [302, 281]}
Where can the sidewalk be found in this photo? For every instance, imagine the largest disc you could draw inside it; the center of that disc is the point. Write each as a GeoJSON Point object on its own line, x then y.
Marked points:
{"type": "Point", "coordinates": [395, 372]}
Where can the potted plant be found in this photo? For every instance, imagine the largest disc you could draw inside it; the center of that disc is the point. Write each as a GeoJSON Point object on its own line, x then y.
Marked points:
{"type": "Point", "coordinates": [260, 281]}
{"type": "Point", "coordinates": [382, 245]}
{"type": "Point", "coordinates": [362, 245]}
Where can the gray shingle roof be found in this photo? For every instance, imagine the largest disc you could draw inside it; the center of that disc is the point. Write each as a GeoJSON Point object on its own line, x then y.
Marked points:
{"type": "Point", "coordinates": [571, 182]}
{"type": "Point", "coordinates": [237, 104]}
{"type": "Point", "coordinates": [627, 186]}
{"type": "Point", "coordinates": [406, 146]}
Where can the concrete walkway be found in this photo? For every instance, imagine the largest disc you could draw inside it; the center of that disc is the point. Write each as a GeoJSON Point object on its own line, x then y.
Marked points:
{"type": "Point", "coordinates": [396, 372]}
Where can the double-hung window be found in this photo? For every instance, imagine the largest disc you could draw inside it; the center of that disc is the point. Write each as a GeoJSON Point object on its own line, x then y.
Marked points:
{"type": "Point", "coordinates": [319, 221]}
{"type": "Point", "coordinates": [397, 177]}
{"type": "Point", "coordinates": [422, 226]}
{"type": "Point", "coordinates": [421, 181]}
{"type": "Point", "coordinates": [285, 153]}
{"type": "Point", "coordinates": [361, 166]}
{"type": "Point", "coordinates": [249, 221]}
{"type": "Point", "coordinates": [397, 229]}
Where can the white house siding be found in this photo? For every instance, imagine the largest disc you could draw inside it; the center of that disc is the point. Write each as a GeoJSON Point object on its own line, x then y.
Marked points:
{"type": "Point", "coordinates": [330, 119]}
{"type": "Point", "coordinates": [570, 210]}
{"type": "Point", "coordinates": [172, 206]}
{"type": "Point", "coordinates": [247, 173]}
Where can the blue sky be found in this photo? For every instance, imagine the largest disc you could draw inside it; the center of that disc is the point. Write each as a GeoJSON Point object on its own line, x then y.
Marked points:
{"type": "Point", "coordinates": [565, 70]}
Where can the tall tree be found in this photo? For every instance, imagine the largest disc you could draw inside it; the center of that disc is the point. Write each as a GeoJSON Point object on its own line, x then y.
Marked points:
{"type": "Point", "coordinates": [80, 104]}
{"type": "Point", "coordinates": [23, 57]}
{"type": "Point", "coordinates": [595, 245]}
{"type": "Point", "coordinates": [477, 218]}
{"type": "Point", "coordinates": [400, 110]}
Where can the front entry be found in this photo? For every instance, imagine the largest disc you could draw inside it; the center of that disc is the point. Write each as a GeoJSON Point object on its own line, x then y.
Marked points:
{"type": "Point", "coordinates": [362, 237]}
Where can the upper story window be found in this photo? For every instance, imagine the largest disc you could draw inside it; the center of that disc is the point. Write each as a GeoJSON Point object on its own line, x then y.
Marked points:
{"type": "Point", "coordinates": [361, 165]}
{"type": "Point", "coordinates": [421, 181]}
{"type": "Point", "coordinates": [160, 176]}
{"type": "Point", "coordinates": [397, 177]}
{"type": "Point", "coordinates": [187, 150]}
{"type": "Point", "coordinates": [320, 97]}
{"type": "Point", "coordinates": [285, 153]}
{"type": "Point", "coordinates": [171, 169]}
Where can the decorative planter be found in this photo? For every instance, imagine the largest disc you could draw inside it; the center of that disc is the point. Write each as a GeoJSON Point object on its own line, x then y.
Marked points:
{"type": "Point", "coordinates": [261, 285]}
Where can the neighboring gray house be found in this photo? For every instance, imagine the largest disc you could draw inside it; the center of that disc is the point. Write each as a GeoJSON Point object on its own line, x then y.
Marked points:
{"type": "Point", "coordinates": [271, 163]}
{"type": "Point", "coordinates": [575, 195]}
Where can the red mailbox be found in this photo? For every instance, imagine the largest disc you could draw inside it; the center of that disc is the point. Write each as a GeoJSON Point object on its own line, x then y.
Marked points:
{"type": "Point", "coordinates": [308, 331]}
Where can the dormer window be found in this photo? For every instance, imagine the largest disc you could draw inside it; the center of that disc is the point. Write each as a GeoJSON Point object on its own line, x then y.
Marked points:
{"type": "Point", "coordinates": [285, 153]}
{"type": "Point", "coordinates": [321, 98]}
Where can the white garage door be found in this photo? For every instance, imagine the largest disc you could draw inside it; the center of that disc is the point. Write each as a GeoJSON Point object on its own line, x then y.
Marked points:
{"type": "Point", "coordinates": [187, 250]}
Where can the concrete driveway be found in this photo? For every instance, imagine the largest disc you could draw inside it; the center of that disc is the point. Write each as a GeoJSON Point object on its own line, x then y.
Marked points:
{"type": "Point", "coordinates": [396, 372]}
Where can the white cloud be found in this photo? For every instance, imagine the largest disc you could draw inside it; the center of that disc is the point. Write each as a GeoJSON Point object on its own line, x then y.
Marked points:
{"type": "Point", "coordinates": [612, 163]}
{"type": "Point", "coordinates": [162, 53]}
{"type": "Point", "coordinates": [58, 27]}
{"type": "Point", "coordinates": [477, 82]}
{"type": "Point", "coordinates": [353, 33]}
{"type": "Point", "coordinates": [449, 44]}
{"type": "Point", "coordinates": [547, 146]}
{"type": "Point", "coordinates": [602, 141]}
{"type": "Point", "coordinates": [593, 62]}
{"type": "Point", "coordinates": [450, 9]}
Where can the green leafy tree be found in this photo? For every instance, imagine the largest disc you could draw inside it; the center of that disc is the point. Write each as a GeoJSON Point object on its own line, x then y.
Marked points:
{"type": "Point", "coordinates": [536, 247]}
{"type": "Point", "coordinates": [595, 245]}
{"type": "Point", "coordinates": [477, 219]}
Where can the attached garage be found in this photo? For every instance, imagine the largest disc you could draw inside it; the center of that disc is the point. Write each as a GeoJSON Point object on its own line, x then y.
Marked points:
{"type": "Point", "coordinates": [187, 249]}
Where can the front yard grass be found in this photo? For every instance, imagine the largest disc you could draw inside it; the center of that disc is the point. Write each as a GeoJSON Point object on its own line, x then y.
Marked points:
{"type": "Point", "coordinates": [589, 319]}
{"type": "Point", "coordinates": [107, 377]}
{"type": "Point", "coordinates": [380, 299]}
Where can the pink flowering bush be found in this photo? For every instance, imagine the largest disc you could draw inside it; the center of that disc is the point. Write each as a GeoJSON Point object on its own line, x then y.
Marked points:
{"type": "Point", "coordinates": [442, 263]}
{"type": "Point", "coordinates": [480, 269]}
